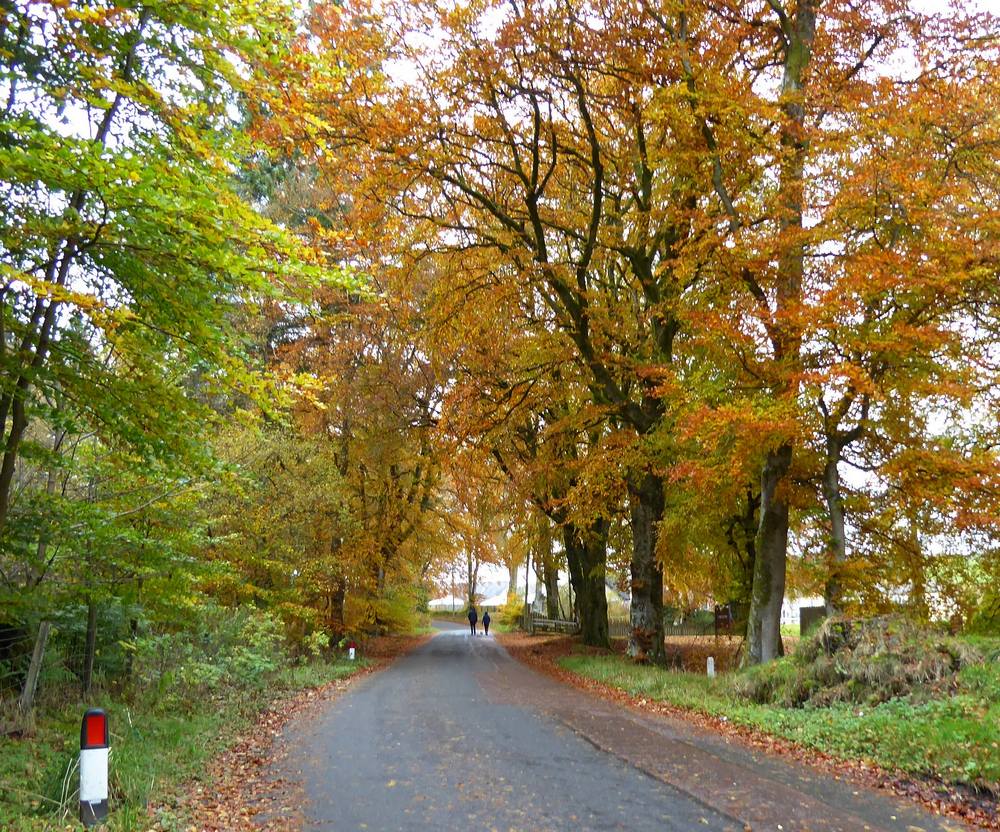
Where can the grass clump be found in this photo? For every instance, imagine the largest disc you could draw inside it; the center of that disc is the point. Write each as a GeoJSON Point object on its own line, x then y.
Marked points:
{"type": "Point", "coordinates": [862, 662]}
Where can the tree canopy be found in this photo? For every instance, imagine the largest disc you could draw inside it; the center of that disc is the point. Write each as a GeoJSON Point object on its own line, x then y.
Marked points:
{"type": "Point", "coordinates": [301, 306]}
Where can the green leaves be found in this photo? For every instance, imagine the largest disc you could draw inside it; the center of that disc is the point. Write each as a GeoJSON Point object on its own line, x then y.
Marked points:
{"type": "Point", "coordinates": [130, 267]}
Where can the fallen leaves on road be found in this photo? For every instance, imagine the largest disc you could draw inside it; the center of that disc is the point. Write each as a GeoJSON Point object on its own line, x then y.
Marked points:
{"type": "Point", "coordinates": [240, 792]}
{"type": "Point", "coordinates": [980, 810]}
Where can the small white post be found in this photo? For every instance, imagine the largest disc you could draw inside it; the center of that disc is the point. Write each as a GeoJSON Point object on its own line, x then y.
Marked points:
{"type": "Point", "coordinates": [350, 653]}
{"type": "Point", "coordinates": [94, 744]}
{"type": "Point", "coordinates": [711, 666]}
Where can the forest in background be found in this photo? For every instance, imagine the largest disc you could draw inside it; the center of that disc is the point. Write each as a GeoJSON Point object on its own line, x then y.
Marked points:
{"type": "Point", "coordinates": [299, 305]}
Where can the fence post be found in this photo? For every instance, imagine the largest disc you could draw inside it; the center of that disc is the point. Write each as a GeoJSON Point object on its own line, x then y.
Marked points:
{"type": "Point", "coordinates": [27, 700]}
{"type": "Point", "coordinates": [94, 742]}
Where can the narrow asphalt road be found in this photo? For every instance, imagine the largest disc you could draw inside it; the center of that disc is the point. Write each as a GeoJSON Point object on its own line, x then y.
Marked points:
{"type": "Point", "coordinates": [457, 736]}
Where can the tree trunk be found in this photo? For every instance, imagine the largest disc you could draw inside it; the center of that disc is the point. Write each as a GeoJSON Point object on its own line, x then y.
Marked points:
{"type": "Point", "coordinates": [833, 591]}
{"type": "Point", "coordinates": [527, 609]}
{"type": "Point", "coordinates": [920, 608]}
{"type": "Point", "coordinates": [133, 630]}
{"type": "Point", "coordinates": [741, 534]}
{"type": "Point", "coordinates": [545, 569]}
{"type": "Point", "coordinates": [764, 625]}
{"type": "Point", "coordinates": [551, 589]}
{"type": "Point", "coordinates": [50, 489]}
{"type": "Point", "coordinates": [27, 700]}
{"type": "Point", "coordinates": [586, 554]}
{"type": "Point", "coordinates": [90, 649]}
{"type": "Point", "coordinates": [337, 599]}
{"type": "Point", "coordinates": [37, 339]}
{"type": "Point", "coordinates": [646, 507]}
{"type": "Point", "coordinates": [472, 564]}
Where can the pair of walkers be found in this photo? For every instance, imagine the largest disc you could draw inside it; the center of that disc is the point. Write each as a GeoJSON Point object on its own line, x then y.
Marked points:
{"type": "Point", "coordinates": [474, 617]}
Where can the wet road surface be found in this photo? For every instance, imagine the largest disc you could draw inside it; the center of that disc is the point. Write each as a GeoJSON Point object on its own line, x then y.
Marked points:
{"type": "Point", "coordinates": [457, 735]}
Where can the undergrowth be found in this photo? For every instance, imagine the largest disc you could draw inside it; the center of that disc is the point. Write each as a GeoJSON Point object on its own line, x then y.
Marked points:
{"type": "Point", "coordinates": [159, 739]}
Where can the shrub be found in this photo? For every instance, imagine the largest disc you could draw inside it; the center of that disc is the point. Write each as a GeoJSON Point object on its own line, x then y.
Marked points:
{"type": "Point", "coordinates": [986, 620]}
{"type": "Point", "coordinates": [393, 612]}
{"type": "Point", "coordinates": [511, 614]}
{"type": "Point", "coordinates": [224, 649]}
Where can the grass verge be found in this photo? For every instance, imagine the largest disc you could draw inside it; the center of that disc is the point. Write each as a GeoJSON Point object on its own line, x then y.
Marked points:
{"type": "Point", "coordinates": [953, 736]}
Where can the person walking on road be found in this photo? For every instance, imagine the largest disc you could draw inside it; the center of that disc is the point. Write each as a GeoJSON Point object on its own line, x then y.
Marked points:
{"type": "Point", "coordinates": [486, 622]}
{"type": "Point", "coordinates": [473, 618]}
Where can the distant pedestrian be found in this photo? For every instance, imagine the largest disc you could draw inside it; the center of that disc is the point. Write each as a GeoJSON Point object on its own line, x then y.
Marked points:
{"type": "Point", "coordinates": [486, 621]}
{"type": "Point", "coordinates": [473, 618]}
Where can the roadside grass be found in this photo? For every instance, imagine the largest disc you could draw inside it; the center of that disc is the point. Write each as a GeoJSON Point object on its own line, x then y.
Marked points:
{"type": "Point", "coordinates": [948, 733]}
{"type": "Point", "coordinates": [157, 743]}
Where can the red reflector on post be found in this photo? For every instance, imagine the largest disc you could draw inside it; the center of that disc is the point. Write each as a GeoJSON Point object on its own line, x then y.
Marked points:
{"type": "Point", "coordinates": [94, 733]}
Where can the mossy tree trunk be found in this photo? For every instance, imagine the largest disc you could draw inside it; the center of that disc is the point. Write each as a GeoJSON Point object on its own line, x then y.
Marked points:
{"type": "Point", "coordinates": [646, 506]}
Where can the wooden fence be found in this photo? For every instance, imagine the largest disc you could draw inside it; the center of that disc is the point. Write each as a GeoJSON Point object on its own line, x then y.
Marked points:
{"type": "Point", "coordinates": [541, 624]}
{"type": "Point", "coordinates": [620, 628]}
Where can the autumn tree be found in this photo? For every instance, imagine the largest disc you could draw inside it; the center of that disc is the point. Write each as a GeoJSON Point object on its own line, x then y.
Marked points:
{"type": "Point", "coordinates": [690, 205]}
{"type": "Point", "coordinates": [801, 112]}
{"type": "Point", "coordinates": [526, 144]}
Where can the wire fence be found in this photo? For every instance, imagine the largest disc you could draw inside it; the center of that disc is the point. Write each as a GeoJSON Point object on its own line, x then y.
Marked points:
{"type": "Point", "coordinates": [61, 663]}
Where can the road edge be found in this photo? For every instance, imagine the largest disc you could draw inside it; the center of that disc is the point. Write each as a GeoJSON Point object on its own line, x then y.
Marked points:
{"type": "Point", "coordinates": [239, 787]}
{"type": "Point", "coordinates": [923, 793]}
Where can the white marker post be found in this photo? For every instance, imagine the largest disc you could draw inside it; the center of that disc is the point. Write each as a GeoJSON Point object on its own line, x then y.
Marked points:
{"type": "Point", "coordinates": [94, 744]}
{"type": "Point", "coordinates": [711, 666]}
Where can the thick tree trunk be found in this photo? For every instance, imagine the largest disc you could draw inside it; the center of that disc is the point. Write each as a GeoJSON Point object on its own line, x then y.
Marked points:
{"type": "Point", "coordinates": [586, 555]}
{"type": "Point", "coordinates": [546, 570]}
{"type": "Point", "coordinates": [764, 626]}
{"type": "Point", "coordinates": [527, 609]}
{"type": "Point", "coordinates": [91, 648]}
{"type": "Point", "coordinates": [742, 537]}
{"type": "Point", "coordinates": [646, 507]}
{"type": "Point", "coordinates": [833, 591]}
{"type": "Point", "coordinates": [919, 606]}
